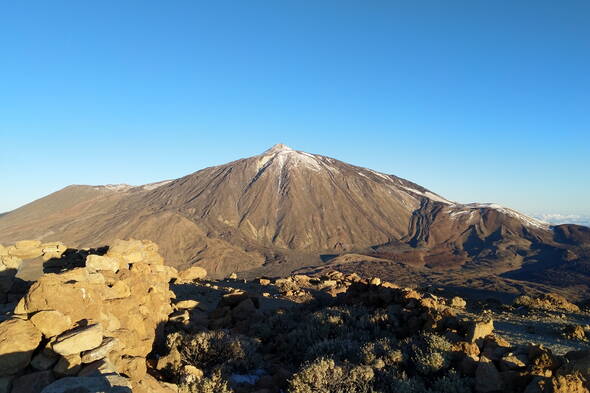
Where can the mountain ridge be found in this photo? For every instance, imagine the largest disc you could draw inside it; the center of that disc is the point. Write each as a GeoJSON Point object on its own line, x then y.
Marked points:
{"type": "Point", "coordinates": [284, 209]}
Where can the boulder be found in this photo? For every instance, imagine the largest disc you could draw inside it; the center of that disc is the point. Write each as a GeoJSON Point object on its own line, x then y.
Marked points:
{"type": "Point", "coordinates": [570, 383]}
{"type": "Point", "coordinates": [546, 301]}
{"type": "Point", "coordinates": [477, 330]}
{"type": "Point", "coordinates": [83, 294]}
{"type": "Point", "coordinates": [457, 302]}
{"type": "Point", "coordinates": [10, 262]}
{"type": "Point", "coordinates": [133, 251]}
{"type": "Point", "coordinates": [51, 322]}
{"type": "Point", "coordinates": [193, 273]}
{"type": "Point", "coordinates": [26, 249]}
{"type": "Point", "coordinates": [53, 250]}
{"type": "Point", "coordinates": [574, 332]}
{"type": "Point", "coordinates": [78, 340]}
{"type": "Point", "coordinates": [99, 263]}
{"type": "Point", "coordinates": [18, 339]}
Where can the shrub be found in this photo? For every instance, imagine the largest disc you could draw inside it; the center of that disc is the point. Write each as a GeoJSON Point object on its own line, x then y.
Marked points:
{"type": "Point", "coordinates": [383, 350]}
{"type": "Point", "coordinates": [325, 376]}
{"type": "Point", "coordinates": [392, 380]}
{"type": "Point", "coordinates": [219, 349]}
{"type": "Point", "coordinates": [430, 353]}
{"type": "Point", "coordinates": [452, 383]}
{"type": "Point", "coordinates": [215, 384]}
{"type": "Point", "coordinates": [336, 348]}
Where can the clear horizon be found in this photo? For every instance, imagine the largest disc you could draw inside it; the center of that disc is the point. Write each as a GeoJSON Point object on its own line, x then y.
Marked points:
{"type": "Point", "coordinates": [478, 102]}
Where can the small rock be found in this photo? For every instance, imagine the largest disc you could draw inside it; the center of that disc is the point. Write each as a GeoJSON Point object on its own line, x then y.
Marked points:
{"type": "Point", "coordinates": [99, 263]}
{"type": "Point", "coordinates": [479, 329]}
{"type": "Point", "coordinates": [513, 362]}
{"type": "Point", "coordinates": [193, 273]}
{"type": "Point", "coordinates": [51, 323]}
{"type": "Point", "coordinates": [458, 302]}
{"type": "Point", "coordinates": [574, 332]}
{"type": "Point", "coordinates": [328, 284]}
{"type": "Point", "coordinates": [570, 383]}
{"type": "Point", "coordinates": [78, 340]}
{"type": "Point", "coordinates": [107, 345]}
{"type": "Point", "coordinates": [186, 304]}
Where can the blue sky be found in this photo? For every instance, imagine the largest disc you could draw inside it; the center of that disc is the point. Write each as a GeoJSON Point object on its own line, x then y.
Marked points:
{"type": "Point", "coordinates": [477, 100]}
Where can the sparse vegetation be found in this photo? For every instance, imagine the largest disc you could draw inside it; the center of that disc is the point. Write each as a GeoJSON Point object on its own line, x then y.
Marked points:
{"type": "Point", "coordinates": [219, 350]}
{"type": "Point", "coordinates": [214, 384]}
{"type": "Point", "coordinates": [328, 349]}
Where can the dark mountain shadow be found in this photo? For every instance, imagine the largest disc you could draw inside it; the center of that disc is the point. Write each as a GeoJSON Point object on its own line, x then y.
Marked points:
{"type": "Point", "coordinates": [546, 257]}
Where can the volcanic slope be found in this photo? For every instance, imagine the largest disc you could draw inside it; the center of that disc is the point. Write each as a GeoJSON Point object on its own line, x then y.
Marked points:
{"type": "Point", "coordinates": [284, 210]}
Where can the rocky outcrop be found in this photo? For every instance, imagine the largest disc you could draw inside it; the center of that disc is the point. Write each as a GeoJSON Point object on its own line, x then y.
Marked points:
{"type": "Point", "coordinates": [108, 311]}
{"type": "Point", "coordinates": [434, 336]}
{"type": "Point", "coordinates": [546, 301]}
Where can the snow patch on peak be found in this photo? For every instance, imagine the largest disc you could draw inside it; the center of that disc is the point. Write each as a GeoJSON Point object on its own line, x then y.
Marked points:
{"type": "Point", "coordinates": [278, 148]}
{"type": "Point", "coordinates": [429, 195]}
{"type": "Point", "coordinates": [153, 186]}
{"type": "Point", "coordinates": [114, 187]}
{"type": "Point", "coordinates": [529, 221]}
{"type": "Point", "coordinates": [381, 175]}
{"type": "Point", "coordinates": [283, 155]}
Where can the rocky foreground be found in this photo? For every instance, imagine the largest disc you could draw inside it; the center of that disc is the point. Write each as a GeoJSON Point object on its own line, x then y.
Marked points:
{"type": "Point", "coordinates": [116, 319]}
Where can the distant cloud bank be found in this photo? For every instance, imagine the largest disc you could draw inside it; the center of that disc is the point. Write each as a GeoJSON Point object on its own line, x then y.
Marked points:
{"type": "Point", "coordinates": [564, 219]}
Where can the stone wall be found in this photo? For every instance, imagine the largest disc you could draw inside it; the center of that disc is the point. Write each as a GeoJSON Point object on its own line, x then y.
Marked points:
{"type": "Point", "coordinates": [97, 321]}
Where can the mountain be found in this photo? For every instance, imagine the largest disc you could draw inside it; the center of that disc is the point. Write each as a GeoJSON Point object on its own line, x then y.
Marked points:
{"type": "Point", "coordinates": [285, 210]}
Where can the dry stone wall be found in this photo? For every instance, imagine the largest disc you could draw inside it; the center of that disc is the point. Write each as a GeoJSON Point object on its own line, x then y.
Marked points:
{"type": "Point", "coordinates": [98, 321]}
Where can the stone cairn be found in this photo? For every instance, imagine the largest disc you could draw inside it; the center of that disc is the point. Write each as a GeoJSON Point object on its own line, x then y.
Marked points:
{"type": "Point", "coordinates": [86, 329]}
